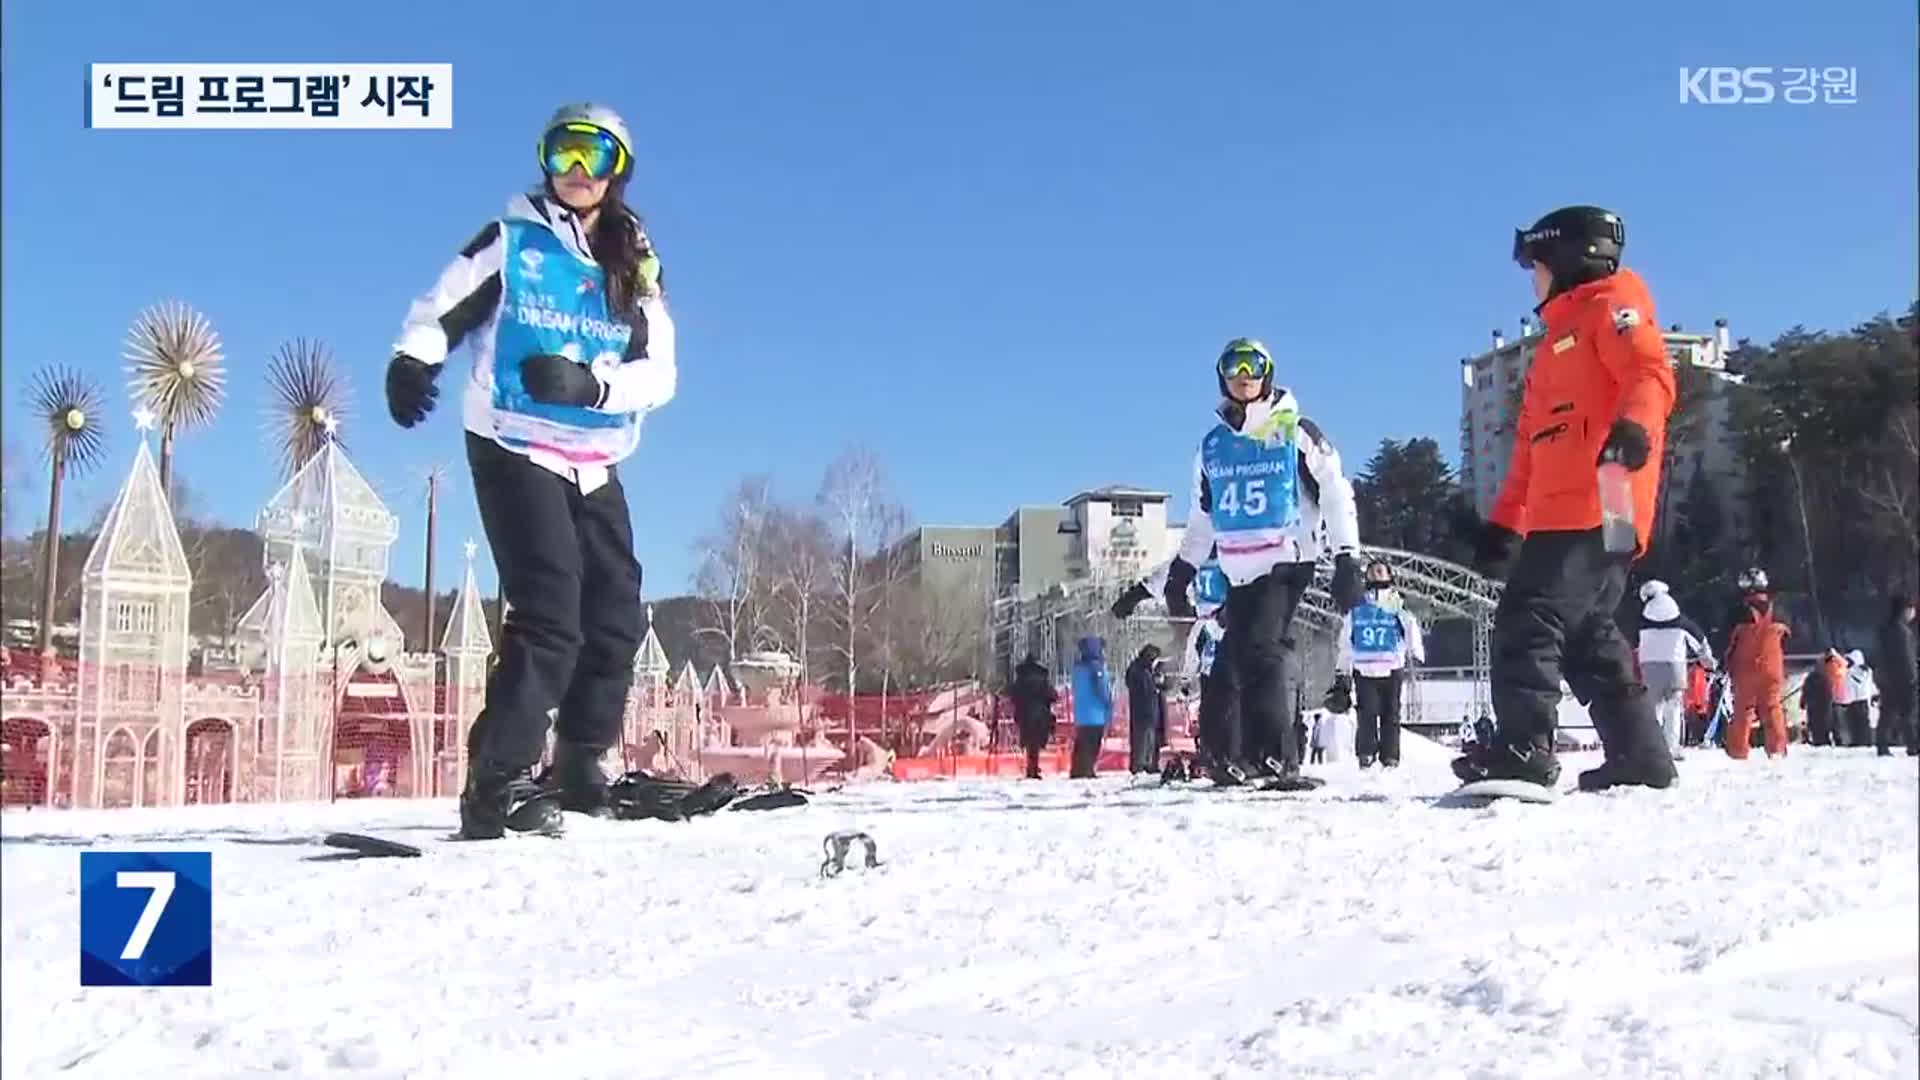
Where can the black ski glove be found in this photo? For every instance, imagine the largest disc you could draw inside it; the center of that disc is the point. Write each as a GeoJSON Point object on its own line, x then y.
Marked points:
{"type": "Point", "coordinates": [1346, 588]}
{"type": "Point", "coordinates": [1340, 696]}
{"type": "Point", "coordinates": [411, 392]}
{"type": "Point", "coordinates": [557, 380]}
{"type": "Point", "coordinates": [1494, 549]}
{"type": "Point", "coordinates": [1179, 576]}
{"type": "Point", "coordinates": [1132, 598]}
{"type": "Point", "coordinates": [1628, 444]}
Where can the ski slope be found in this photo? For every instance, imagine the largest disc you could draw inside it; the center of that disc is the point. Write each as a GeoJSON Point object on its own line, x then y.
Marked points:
{"type": "Point", "coordinates": [1758, 921]}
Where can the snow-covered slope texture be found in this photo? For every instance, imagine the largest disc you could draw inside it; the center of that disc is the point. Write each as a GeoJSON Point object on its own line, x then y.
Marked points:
{"type": "Point", "coordinates": [1760, 920]}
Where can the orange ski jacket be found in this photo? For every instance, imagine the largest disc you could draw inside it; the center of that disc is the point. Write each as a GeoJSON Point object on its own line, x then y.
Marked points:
{"type": "Point", "coordinates": [1757, 649]}
{"type": "Point", "coordinates": [1602, 359]}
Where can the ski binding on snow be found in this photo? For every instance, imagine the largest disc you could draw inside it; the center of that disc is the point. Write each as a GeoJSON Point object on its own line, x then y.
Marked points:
{"type": "Point", "coordinates": [1482, 792]}
{"type": "Point", "coordinates": [836, 847]}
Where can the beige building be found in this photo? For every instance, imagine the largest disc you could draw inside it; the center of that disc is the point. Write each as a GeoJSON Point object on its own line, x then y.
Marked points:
{"type": "Point", "coordinates": [1490, 398]}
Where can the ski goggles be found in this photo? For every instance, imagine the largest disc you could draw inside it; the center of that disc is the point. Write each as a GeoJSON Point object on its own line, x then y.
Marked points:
{"type": "Point", "coordinates": [1245, 362]}
{"type": "Point", "coordinates": [593, 149]}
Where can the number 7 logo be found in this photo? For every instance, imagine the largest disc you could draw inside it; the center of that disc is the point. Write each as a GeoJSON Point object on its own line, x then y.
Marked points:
{"type": "Point", "coordinates": [146, 918]}
{"type": "Point", "coordinates": [161, 882]}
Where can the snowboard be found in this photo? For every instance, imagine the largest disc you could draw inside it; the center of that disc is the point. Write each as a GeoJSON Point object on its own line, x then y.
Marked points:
{"type": "Point", "coordinates": [371, 847]}
{"type": "Point", "coordinates": [1482, 792]}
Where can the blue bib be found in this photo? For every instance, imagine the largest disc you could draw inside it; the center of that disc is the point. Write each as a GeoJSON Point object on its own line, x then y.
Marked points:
{"type": "Point", "coordinates": [552, 302]}
{"type": "Point", "coordinates": [1255, 487]}
{"type": "Point", "coordinates": [1209, 586]}
{"type": "Point", "coordinates": [1376, 634]}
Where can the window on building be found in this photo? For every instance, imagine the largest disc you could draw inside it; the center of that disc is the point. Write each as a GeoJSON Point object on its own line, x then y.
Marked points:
{"type": "Point", "coordinates": [133, 617]}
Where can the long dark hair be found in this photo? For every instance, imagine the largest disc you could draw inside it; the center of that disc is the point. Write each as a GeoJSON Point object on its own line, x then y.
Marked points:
{"type": "Point", "coordinates": [619, 243]}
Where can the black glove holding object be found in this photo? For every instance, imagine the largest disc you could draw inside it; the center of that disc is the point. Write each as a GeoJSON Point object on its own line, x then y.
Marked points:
{"type": "Point", "coordinates": [1494, 550]}
{"type": "Point", "coordinates": [1340, 696]}
{"type": "Point", "coordinates": [1179, 576]}
{"type": "Point", "coordinates": [557, 380]}
{"type": "Point", "coordinates": [411, 389]}
{"type": "Point", "coordinates": [1346, 588]}
{"type": "Point", "coordinates": [1627, 443]}
{"type": "Point", "coordinates": [1132, 598]}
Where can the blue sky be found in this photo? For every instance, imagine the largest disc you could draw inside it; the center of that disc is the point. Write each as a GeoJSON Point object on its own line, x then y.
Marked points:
{"type": "Point", "coordinates": [998, 242]}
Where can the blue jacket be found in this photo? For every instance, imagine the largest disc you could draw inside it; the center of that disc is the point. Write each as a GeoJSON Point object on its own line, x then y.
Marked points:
{"type": "Point", "coordinates": [1092, 686]}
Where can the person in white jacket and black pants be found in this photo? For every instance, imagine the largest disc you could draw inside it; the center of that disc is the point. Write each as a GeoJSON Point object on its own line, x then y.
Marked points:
{"type": "Point", "coordinates": [559, 302]}
{"type": "Point", "coordinates": [1669, 642]}
{"type": "Point", "coordinates": [1379, 641]}
{"type": "Point", "coordinates": [1264, 480]}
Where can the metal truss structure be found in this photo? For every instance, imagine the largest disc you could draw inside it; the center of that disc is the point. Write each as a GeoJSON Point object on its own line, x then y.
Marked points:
{"type": "Point", "coordinates": [1435, 590]}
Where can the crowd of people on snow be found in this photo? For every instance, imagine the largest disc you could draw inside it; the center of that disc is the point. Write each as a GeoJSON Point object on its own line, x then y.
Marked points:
{"type": "Point", "coordinates": [1845, 699]}
{"type": "Point", "coordinates": [1741, 705]}
{"type": "Point", "coordinates": [1575, 514]}
{"type": "Point", "coordinates": [553, 406]}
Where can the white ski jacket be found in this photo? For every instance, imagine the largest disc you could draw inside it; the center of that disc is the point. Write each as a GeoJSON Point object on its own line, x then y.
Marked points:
{"type": "Point", "coordinates": [1378, 655]}
{"type": "Point", "coordinates": [528, 281]}
{"type": "Point", "coordinates": [1262, 490]}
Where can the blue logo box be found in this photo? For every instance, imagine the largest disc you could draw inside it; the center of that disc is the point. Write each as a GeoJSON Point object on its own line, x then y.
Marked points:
{"type": "Point", "coordinates": [146, 918]}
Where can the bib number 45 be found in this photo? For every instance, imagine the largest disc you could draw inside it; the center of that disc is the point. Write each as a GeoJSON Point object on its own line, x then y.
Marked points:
{"type": "Point", "coordinates": [1244, 498]}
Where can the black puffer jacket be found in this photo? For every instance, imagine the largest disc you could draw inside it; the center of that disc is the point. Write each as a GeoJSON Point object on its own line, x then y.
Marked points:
{"type": "Point", "coordinates": [1894, 663]}
{"type": "Point", "coordinates": [1033, 697]}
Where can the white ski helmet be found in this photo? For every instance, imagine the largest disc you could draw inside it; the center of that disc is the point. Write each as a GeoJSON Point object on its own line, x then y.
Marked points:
{"type": "Point", "coordinates": [1652, 589]}
{"type": "Point", "coordinates": [1753, 580]}
{"type": "Point", "coordinates": [600, 116]}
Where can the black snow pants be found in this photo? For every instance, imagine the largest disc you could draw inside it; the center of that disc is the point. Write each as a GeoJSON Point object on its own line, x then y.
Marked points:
{"type": "Point", "coordinates": [1897, 720]}
{"type": "Point", "coordinates": [1378, 700]}
{"type": "Point", "coordinates": [1086, 751]}
{"type": "Point", "coordinates": [1260, 644]}
{"type": "Point", "coordinates": [1143, 743]}
{"type": "Point", "coordinates": [572, 586]}
{"type": "Point", "coordinates": [1220, 714]}
{"type": "Point", "coordinates": [1556, 620]}
{"type": "Point", "coordinates": [1858, 716]}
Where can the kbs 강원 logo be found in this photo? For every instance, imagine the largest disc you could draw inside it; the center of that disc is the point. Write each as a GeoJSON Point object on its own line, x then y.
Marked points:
{"type": "Point", "coordinates": [146, 918]}
{"type": "Point", "coordinates": [1760, 85]}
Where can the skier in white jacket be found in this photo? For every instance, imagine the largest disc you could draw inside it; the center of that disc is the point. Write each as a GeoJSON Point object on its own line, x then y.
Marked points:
{"type": "Point", "coordinates": [1669, 641]}
{"type": "Point", "coordinates": [1379, 640]}
{"type": "Point", "coordinates": [1265, 480]}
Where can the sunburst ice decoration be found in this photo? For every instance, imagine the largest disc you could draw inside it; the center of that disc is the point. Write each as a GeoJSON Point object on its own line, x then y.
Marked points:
{"type": "Point", "coordinates": [70, 409]}
{"type": "Point", "coordinates": [309, 402]}
{"type": "Point", "coordinates": [176, 371]}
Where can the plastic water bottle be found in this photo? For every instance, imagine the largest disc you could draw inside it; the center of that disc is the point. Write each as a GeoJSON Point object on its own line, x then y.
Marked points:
{"type": "Point", "coordinates": [1616, 509]}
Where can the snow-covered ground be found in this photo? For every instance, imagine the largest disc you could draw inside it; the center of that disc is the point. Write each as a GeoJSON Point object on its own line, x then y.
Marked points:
{"type": "Point", "coordinates": [1758, 921]}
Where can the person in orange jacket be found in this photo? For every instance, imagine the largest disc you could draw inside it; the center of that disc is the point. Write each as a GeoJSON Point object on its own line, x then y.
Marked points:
{"type": "Point", "coordinates": [1757, 663]}
{"type": "Point", "coordinates": [1599, 390]}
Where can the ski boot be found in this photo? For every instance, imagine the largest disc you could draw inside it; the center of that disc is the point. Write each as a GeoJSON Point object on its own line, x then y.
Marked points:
{"type": "Point", "coordinates": [1366, 762]}
{"type": "Point", "coordinates": [1628, 773]}
{"type": "Point", "coordinates": [1533, 762]}
{"type": "Point", "coordinates": [498, 798]}
{"type": "Point", "coordinates": [579, 780]}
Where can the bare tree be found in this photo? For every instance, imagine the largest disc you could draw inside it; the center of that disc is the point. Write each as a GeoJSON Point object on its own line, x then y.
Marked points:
{"type": "Point", "coordinates": [732, 577]}
{"type": "Point", "coordinates": [893, 573]}
{"type": "Point", "coordinates": [800, 555]}
{"type": "Point", "coordinates": [851, 495]}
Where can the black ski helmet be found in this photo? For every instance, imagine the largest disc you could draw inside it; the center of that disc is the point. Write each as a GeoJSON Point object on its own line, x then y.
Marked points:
{"type": "Point", "coordinates": [1577, 244]}
{"type": "Point", "coordinates": [1379, 574]}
